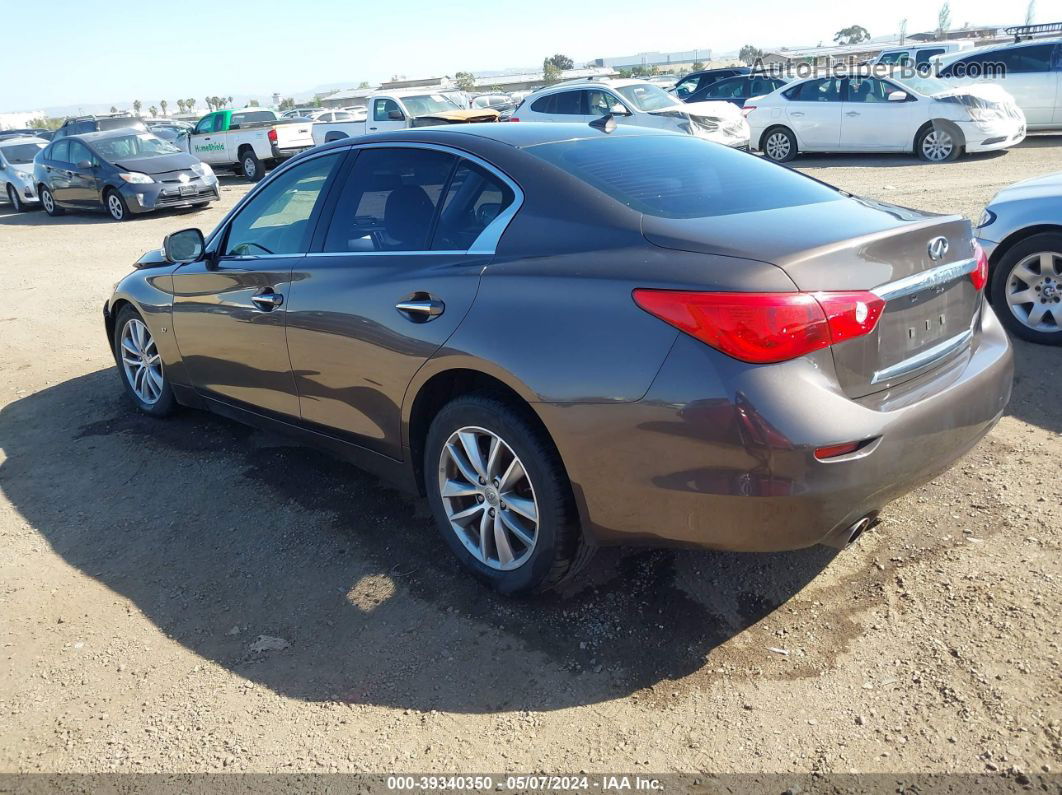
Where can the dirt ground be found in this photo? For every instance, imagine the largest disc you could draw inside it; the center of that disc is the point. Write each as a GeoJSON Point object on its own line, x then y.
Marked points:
{"type": "Point", "coordinates": [192, 595]}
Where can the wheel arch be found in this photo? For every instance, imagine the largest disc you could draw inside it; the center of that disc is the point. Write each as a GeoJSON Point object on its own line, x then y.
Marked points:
{"type": "Point", "coordinates": [438, 388]}
{"type": "Point", "coordinates": [1013, 239]}
{"type": "Point", "coordinates": [952, 127]}
{"type": "Point", "coordinates": [770, 129]}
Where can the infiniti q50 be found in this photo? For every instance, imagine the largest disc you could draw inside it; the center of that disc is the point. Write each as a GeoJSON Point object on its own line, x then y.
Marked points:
{"type": "Point", "coordinates": [567, 336]}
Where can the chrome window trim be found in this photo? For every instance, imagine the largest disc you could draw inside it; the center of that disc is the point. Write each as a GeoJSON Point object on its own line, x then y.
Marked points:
{"type": "Point", "coordinates": [917, 282]}
{"type": "Point", "coordinates": [923, 359]}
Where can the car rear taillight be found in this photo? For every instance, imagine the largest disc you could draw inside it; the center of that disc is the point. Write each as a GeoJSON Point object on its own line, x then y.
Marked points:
{"type": "Point", "coordinates": [979, 275]}
{"type": "Point", "coordinates": [514, 118]}
{"type": "Point", "coordinates": [747, 110]}
{"type": "Point", "coordinates": [765, 327]}
{"type": "Point", "coordinates": [272, 135]}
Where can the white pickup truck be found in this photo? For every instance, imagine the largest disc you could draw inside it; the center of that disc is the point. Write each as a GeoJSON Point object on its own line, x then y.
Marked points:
{"type": "Point", "coordinates": [249, 141]}
{"type": "Point", "coordinates": [397, 110]}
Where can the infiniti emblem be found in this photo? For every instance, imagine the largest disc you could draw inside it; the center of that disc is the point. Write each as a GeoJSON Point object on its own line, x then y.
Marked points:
{"type": "Point", "coordinates": [938, 247]}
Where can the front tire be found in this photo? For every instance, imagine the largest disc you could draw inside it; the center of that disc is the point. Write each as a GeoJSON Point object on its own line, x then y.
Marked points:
{"type": "Point", "coordinates": [500, 496]}
{"type": "Point", "coordinates": [48, 201]}
{"type": "Point", "coordinates": [115, 205]}
{"type": "Point", "coordinates": [12, 196]}
{"type": "Point", "coordinates": [250, 166]}
{"type": "Point", "coordinates": [1026, 289]}
{"type": "Point", "coordinates": [779, 144]}
{"type": "Point", "coordinates": [140, 365]}
{"type": "Point", "coordinates": [938, 142]}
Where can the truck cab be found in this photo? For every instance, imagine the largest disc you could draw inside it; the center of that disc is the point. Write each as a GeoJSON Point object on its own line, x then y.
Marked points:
{"type": "Point", "coordinates": [250, 141]}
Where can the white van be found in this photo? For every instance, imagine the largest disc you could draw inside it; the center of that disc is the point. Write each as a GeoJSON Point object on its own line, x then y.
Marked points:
{"type": "Point", "coordinates": [1031, 71]}
{"type": "Point", "coordinates": [919, 55]}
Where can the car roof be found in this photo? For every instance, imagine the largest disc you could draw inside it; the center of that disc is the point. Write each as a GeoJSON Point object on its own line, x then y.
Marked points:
{"type": "Point", "coordinates": [23, 139]}
{"type": "Point", "coordinates": [518, 136]}
{"type": "Point", "coordinates": [100, 135]}
{"type": "Point", "coordinates": [957, 55]}
{"type": "Point", "coordinates": [568, 85]}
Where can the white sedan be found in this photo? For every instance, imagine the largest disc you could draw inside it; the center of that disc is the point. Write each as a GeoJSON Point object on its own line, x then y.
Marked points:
{"type": "Point", "coordinates": [863, 113]}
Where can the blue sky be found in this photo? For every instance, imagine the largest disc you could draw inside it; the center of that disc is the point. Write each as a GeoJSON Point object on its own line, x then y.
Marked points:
{"type": "Point", "coordinates": [67, 52]}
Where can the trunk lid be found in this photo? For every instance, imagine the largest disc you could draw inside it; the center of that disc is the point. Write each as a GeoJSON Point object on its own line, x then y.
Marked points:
{"type": "Point", "coordinates": [856, 244]}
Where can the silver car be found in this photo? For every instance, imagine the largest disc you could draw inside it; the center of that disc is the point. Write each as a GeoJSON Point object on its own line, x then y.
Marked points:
{"type": "Point", "coordinates": [1021, 231]}
{"type": "Point", "coordinates": [16, 170]}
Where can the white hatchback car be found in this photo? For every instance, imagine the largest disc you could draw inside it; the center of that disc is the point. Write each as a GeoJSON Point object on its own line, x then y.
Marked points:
{"type": "Point", "coordinates": [638, 103]}
{"type": "Point", "coordinates": [893, 113]}
{"type": "Point", "coordinates": [1030, 71]}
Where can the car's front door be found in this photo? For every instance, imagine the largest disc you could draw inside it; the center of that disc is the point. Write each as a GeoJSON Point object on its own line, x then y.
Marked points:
{"type": "Point", "coordinates": [814, 112]}
{"type": "Point", "coordinates": [229, 309]}
{"type": "Point", "coordinates": [870, 122]}
{"type": "Point", "coordinates": [205, 143]}
{"type": "Point", "coordinates": [386, 114]}
{"type": "Point", "coordinates": [388, 282]}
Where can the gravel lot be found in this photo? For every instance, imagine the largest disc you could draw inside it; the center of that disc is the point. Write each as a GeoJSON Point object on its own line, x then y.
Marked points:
{"type": "Point", "coordinates": [193, 595]}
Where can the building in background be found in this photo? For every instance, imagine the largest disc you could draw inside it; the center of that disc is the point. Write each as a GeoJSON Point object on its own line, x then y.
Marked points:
{"type": "Point", "coordinates": [664, 61]}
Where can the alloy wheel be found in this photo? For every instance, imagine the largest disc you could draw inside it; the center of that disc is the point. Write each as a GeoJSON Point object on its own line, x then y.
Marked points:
{"type": "Point", "coordinates": [1034, 291]}
{"type": "Point", "coordinates": [249, 168]}
{"type": "Point", "coordinates": [48, 201]}
{"type": "Point", "coordinates": [114, 207]}
{"type": "Point", "coordinates": [12, 196]}
{"type": "Point", "coordinates": [488, 498]}
{"type": "Point", "coordinates": [141, 362]}
{"type": "Point", "coordinates": [938, 145]}
{"type": "Point", "coordinates": [777, 146]}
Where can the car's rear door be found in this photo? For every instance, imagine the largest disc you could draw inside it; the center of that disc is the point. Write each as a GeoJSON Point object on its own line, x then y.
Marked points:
{"type": "Point", "coordinates": [229, 309]}
{"type": "Point", "coordinates": [389, 280]}
{"type": "Point", "coordinates": [58, 171]}
{"type": "Point", "coordinates": [813, 110]}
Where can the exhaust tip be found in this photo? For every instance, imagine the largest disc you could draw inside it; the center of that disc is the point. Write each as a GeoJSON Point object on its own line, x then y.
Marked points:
{"type": "Point", "coordinates": [856, 530]}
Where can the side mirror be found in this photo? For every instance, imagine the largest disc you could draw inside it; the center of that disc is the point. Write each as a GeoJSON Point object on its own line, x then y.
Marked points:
{"type": "Point", "coordinates": [619, 110]}
{"type": "Point", "coordinates": [897, 96]}
{"type": "Point", "coordinates": [184, 246]}
{"type": "Point", "coordinates": [85, 164]}
{"type": "Point", "coordinates": [396, 115]}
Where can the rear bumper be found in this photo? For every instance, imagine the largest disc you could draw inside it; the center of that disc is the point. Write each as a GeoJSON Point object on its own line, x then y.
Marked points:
{"type": "Point", "coordinates": [721, 455]}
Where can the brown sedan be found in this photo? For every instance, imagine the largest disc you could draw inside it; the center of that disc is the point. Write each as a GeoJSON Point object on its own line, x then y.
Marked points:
{"type": "Point", "coordinates": [568, 336]}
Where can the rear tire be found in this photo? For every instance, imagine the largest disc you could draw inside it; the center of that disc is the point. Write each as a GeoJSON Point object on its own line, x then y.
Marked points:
{"type": "Point", "coordinates": [48, 201]}
{"type": "Point", "coordinates": [476, 520]}
{"type": "Point", "coordinates": [938, 142]}
{"type": "Point", "coordinates": [1030, 269]}
{"type": "Point", "coordinates": [779, 144]}
{"type": "Point", "coordinates": [250, 166]}
{"type": "Point", "coordinates": [12, 196]}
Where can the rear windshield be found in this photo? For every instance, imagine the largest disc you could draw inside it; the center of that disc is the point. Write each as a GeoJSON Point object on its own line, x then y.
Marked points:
{"type": "Point", "coordinates": [21, 154]}
{"type": "Point", "coordinates": [675, 176]}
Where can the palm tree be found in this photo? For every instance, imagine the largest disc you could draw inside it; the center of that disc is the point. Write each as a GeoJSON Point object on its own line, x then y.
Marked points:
{"type": "Point", "coordinates": [180, 106]}
{"type": "Point", "coordinates": [163, 104]}
{"type": "Point", "coordinates": [153, 111]}
{"type": "Point", "coordinates": [229, 102]}
{"type": "Point", "coordinates": [136, 106]}
{"type": "Point", "coordinates": [190, 104]}
{"type": "Point", "coordinates": [114, 109]}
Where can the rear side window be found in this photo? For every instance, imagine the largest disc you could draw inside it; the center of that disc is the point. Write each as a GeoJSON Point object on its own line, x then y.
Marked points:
{"type": "Point", "coordinates": [1020, 60]}
{"type": "Point", "coordinates": [389, 200]}
{"type": "Point", "coordinates": [565, 103]}
{"type": "Point", "coordinates": [61, 151]}
{"type": "Point", "coordinates": [826, 89]}
{"type": "Point", "coordinates": [727, 89]}
{"type": "Point", "coordinates": [474, 198]}
{"type": "Point", "coordinates": [682, 176]}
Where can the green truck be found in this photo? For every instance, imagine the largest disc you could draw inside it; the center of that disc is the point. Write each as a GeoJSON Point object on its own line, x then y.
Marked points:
{"type": "Point", "coordinates": [249, 141]}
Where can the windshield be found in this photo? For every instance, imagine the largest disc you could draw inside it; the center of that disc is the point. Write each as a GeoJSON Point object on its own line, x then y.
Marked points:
{"type": "Point", "coordinates": [680, 176]}
{"type": "Point", "coordinates": [423, 104]}
{"type": "Point", "coordinates": [20, 154]}
{"type": "Point", "coordinates": [126, 146]}
{"type": "Point", "coordinates": [925, 85]}
{"type": "Point", "coordinates": [646, 96]}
